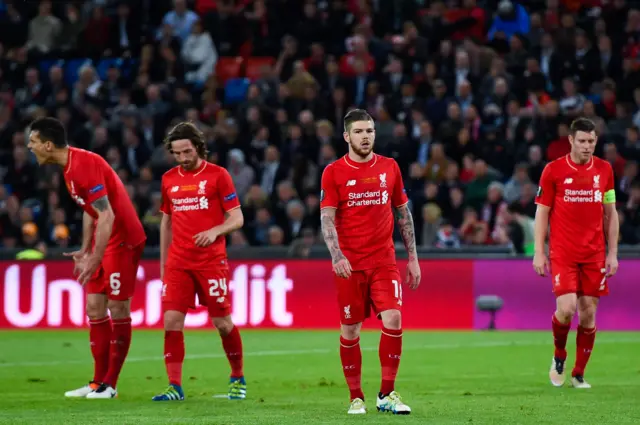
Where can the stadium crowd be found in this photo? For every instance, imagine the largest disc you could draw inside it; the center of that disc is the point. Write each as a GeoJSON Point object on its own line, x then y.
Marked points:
{"type": "Point", "coordinates": [471, 98]}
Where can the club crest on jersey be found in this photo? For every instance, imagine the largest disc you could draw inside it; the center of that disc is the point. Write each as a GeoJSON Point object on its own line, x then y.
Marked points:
{"type": "Point", "coordinates": [596, 182]}
{"type": "Point", "coordinates": [202, 187]}
{"type": "Point", "coordinates": [383, 180]}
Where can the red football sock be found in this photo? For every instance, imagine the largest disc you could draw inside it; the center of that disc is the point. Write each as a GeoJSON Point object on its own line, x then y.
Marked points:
{"type": "Point", "coordinates": [584, 345]}
{"type": "Point", "coordinates": [560, 333]}
{"type": "Point", "coordinates": [232, 344]}
{"type": "Point", "coordinates": [174, 355]}
{"type": "Point", "coordinates": [100, 338]}
{"type": "Point", "coordinates": [390, 351]}
{"type": "Point", "coordinates": [351, 358]}
{"type": "Point", "coordinates": [120, 343]}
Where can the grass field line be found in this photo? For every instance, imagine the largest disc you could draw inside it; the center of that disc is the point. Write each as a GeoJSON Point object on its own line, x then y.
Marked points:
{"type": "Point", "coordinates": [265, 353]}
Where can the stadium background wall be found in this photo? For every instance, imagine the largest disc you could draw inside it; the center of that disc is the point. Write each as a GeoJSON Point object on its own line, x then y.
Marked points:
{"type": "Point", "coordinates": [299, 294]}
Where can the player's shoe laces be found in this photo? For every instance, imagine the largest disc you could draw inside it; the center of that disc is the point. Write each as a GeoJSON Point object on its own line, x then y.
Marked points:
{"type": "Point", "coordinates": [357, 407]}
{"type": "Point", "coordinates": [556, 373]}
{"type": "Point", "coordinates": [103, 391]}
{"type": "Point", "coordinates": [579, 382]}
{"type": "Point", "coordinates": [392, 403]}
{"type": "Point", "coordinates": [237, 389]}
{"type": "Point", "coordinates": [172, 393]}
{"type": "Point", "coordinates": [82, 391]}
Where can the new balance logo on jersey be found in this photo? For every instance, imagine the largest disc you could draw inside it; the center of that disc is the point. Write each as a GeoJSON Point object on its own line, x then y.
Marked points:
{"type": "Point", "coordinates": [190, 204]}
{"type": "Point", "coordinates": [351, 183]}
{"type": "Point", "coordinates": [568, 180]}
{"type": "Point", "coordinates": [175, 188]}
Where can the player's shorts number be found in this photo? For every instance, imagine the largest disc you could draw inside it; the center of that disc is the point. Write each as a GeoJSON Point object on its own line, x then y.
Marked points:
{"type": "Point", "coordinates": [114, 283]}
{"type": "Point", "coordinates": [218, 289]}
{"type": "Point", "coordinates": [397, 289]}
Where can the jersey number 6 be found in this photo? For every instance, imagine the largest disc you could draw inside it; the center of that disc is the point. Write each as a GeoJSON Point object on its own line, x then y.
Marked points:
{"type": "Point", "coordinates": [114, 283]}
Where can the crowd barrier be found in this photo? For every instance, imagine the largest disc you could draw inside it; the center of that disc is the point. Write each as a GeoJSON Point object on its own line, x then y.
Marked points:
{"type": "Point", "coordinates": [300, 294]}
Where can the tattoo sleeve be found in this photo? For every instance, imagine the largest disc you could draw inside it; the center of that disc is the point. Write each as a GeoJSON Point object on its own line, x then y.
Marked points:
{"type": "Point", "coordinates": [104, 224]}
{"type": "Point", "coordinates": [407, 230]}
{"type": "Point", "coordinates": [330, 234]}
{"type": "Point", "coordinates": [101, 204]}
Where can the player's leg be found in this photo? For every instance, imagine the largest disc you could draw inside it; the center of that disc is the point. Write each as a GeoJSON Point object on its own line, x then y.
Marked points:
{"type": "Point", "coordinates": [121, 271]}
{"type": "Point", "coordinates": [386, 296]}
{"type": "Point", "coordinates": [593, 285]}
{"type": "Point", "coordinates": [213, 287]}
{"type": "Point", "coordinates": [565, 286]}
{"type": "Point", "coordinates": [178, 294]}
{"type": "Point", "coordinates": [99, 338]}
{"type": "Point", "coordinates": [352, 302]}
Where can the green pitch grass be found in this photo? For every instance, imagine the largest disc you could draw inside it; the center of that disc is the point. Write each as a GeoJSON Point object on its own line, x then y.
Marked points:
{"type": "Point", "coordinates": [296, 378]}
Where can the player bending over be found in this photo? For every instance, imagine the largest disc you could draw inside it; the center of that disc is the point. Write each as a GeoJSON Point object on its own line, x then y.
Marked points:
{"type": "Point", "coordinates": [576, 197]}
{"type": "Point", "coordinates": [358, 193]}
{"type": "Point", "coordinates": [199, 206]}
{"type": "Point", "coordinates": [107, 263]}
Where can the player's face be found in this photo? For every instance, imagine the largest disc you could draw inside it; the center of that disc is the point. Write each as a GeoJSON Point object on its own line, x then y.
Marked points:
{"type": "Point", "coordinates": [41, 150]}
{"type": "Point", "coordinates": [185, 153]}
{"type": "Point", "coordinates": [361, 137]}
{"type": "Point", "coordinates": [583, 145]}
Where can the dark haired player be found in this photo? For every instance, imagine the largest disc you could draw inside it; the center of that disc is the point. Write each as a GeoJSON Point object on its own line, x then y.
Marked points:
{"type": "Point", "coordinates": [577, 199]}
{"type": "Point", "coordinates": [200, 206]}
{"type": "Point", "coordinates": [358, 196]}
{"type": "Point", "coordinates": [112, 243]}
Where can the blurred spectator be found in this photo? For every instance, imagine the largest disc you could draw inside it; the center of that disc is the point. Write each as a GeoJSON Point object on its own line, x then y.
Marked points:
{"type": "Point", "coordinates": [471, 98]}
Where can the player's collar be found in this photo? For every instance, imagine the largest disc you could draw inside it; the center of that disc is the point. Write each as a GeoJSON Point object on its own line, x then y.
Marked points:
{"type": "Point", "coordinates": [575, 166]}
{"type": "Point", "coordinates": [67, 168]}
{"type": "Point", "coordinates": [354, 164]}
{"type": "Point", "coordinates": [195, 172]}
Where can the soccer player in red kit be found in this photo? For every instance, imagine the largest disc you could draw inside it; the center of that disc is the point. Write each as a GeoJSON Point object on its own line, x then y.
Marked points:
{"type": "Point", "coordinates": [113, 240]}
{"type": "Point", "coordinates": [358, 195]}
{"type": "Point", "coordinates": [200, 206]}
{"type": "Point", "coordinates": [576, 198]}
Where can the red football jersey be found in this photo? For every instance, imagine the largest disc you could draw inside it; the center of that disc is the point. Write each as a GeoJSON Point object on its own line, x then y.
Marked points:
{"type": "Point", "coordinates": [363, 194]}
{"type": "Point", "coordinates": [89, 177]}
{"type": "Point", "coordinates": [197, 200]}
{"type": "Point", "coordinates": [576, 194]}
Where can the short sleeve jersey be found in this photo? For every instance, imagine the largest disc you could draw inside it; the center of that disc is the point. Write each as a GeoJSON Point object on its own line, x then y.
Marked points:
{"type": "Point", "coordinates": [197, 201]}
{"type": "Point", "coordinates": [89, 177]}
{"type": "Point", "coordinates": [363, 195]}
{"type": "Point", "coordinates": [575, 193]}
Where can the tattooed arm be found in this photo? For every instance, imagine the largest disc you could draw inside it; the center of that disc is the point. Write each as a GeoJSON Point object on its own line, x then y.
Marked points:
{"type": "Point", "coordinates": [341, 265]}
{"type": "Point", "coordinates": [407, 230]}
{"type": "Point", "coordinates": [330, 234]}
{"type": "Point", "coordinates": [104, 225]}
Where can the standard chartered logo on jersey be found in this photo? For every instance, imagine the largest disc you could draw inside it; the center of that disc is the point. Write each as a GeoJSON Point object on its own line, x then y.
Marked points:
{"type": "Point", "coordinates": [195, 203]}
{"type": "Point", "coordinates": [582, 196]}
{"type": "Point", "coordinates": [363, 199]}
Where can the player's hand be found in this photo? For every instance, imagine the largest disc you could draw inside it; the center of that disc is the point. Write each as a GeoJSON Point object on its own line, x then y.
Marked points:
{"type": "Point", "coordinates": [77, 256]}
{"type": "Point", "coordinates": [541, 264]}
{"type": "Point", "coordinates": [206, 238]}
{"type": "Point", "coordinates": [88, 266]}
{"type": "Point", "coordinates": [413, 274]}
{"type": "Point", "coordinates": [611, 265]}
{"type": "Point", "coordinates": [341, 266]}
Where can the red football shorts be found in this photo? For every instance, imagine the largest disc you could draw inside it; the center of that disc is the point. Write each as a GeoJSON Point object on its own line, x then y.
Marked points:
{"type": "Point", "coordinates": [180, 288]}
{"type": "Point", "coordinates": [117, 275]}
{"type": "Point", "coordinates": [379, 289]}
{"type": "Point", "coordinates": [579, 278]}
